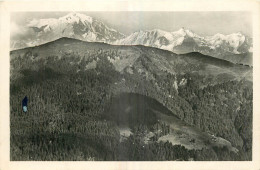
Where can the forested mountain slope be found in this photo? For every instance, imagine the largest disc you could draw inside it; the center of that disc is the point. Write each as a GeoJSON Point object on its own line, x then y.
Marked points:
{"type": "Point", "coordinates": [73, 86]}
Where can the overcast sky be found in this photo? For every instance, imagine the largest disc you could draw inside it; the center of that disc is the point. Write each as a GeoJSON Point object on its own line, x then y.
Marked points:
{"type": "Point", "coordinates": [202, 23]}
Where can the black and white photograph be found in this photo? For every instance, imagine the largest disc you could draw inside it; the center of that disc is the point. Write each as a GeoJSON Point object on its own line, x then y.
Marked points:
{"type": "Point", "coordinates": [131, 86]}
{"type": "Point", "coordinates": [104, 87]}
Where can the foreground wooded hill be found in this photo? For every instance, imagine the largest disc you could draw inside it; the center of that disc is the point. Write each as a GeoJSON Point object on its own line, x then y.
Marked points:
{"type": "Point", "coordinates": [191, 106]}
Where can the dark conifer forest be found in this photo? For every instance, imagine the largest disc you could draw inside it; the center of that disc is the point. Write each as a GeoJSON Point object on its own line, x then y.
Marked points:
{"type": "Point", "coordinates": [98, 102]}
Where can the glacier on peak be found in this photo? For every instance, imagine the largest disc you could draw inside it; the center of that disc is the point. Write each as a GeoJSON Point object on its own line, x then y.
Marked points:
{"type": "Point", "coordinates": [76, 17]}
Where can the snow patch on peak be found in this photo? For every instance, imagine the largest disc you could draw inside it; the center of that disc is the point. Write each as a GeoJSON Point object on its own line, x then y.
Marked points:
{"type": "Point", "coordinates": [157, 31]}
{"type": "Point", "coordinates": [67, 19]}
{"type": "Point", "coordinates": [218, 36]}
{"type": "Point", "coordinates": [76, 17]}
{"type": "Point", "coordinates": [180, 32]}
{"type": "Point", "coordinates": [233, 40]}
{"type": "Point", "coordinates": [90, 36]}
{"type": "Point", "coordinates": [184, 32]}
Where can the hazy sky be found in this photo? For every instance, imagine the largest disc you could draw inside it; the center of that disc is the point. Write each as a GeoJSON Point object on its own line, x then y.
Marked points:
{"type": "Point", "coordinates": [202, 23]}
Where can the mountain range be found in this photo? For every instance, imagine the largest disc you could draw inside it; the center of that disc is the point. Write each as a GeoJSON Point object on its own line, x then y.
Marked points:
{"type": "Point", "coordinates": [235, 47]}
{"type": "Point", "coordinates": [185, 41]}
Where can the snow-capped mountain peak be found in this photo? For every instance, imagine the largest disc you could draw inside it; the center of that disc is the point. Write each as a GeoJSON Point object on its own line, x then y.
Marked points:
{"type": "Point", "coordinates": [71, 18]}
{"type": "Point", "coordinates": [76, 17]}
{"type": "Point", "coordinates": [185, 40]}
{"type": "Point", "coordinates": [158, 38]}
{"type": "Point", "coordinates": [234, 40]}
{"type": "Point", "coordinates": [185, 32]}
{"type": "Point", "coordinates": [72, 25]}
{"type": "Point", "coordinates": [155, 38]}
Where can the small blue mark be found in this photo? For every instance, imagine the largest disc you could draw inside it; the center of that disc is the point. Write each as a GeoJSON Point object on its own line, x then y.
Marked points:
{"type": "Point", "coordinates": [24, 104]}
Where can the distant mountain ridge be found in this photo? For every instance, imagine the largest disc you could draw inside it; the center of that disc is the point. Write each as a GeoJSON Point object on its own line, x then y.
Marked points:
{"type": "Point", "coordinates": [235, 47]}
{"type": "Point", "coordinates": [185, 41]}
{"type": "Point", "coordinates": [136, 56]}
